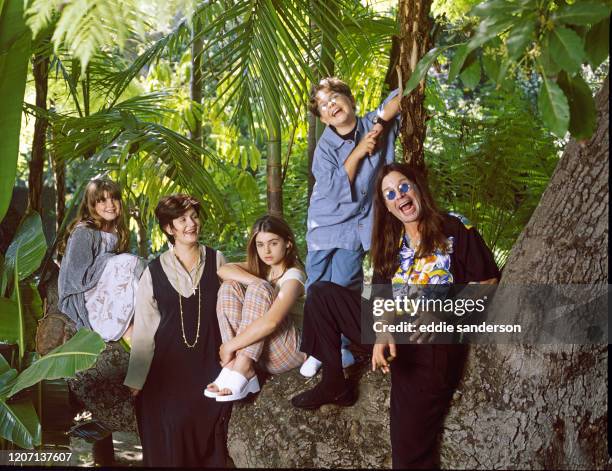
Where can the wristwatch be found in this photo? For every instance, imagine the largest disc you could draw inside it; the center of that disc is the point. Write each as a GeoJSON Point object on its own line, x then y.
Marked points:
{"type": "Point", "coordinates": [379, 120]}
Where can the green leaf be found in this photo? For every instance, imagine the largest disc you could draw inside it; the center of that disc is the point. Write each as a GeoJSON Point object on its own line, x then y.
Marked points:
{"type": "Point", "coordinates": [546, 60]}
{"type": "Point", "coordinates": [520, 37]}
{"type": "Point", "coordinates": [458, 60]}
{"type": "Point", "coordinates": [471, 76]}
{"type": "Point", "coordinates": [423, 66]}
{"type": "Point", "coordinates": [583, 114]}
{"type": "Point", "coordinates": [567, 49]}
{"type": "Point", "coordinates": [553, 107]}
{"type": "Point", "coordinates": [489, 30]}
{"type": "Point", "coordinates": [20, 328]}
{"type": "Point", "coordinates": [490, 64]}
{"type": "Point", "coordinates": [493, 9]}
{"type": "Point", "coordinates": [4, 365]}
{"type": "Point", "coordinates": [597, 45]}
{"type": "Point", "coordinates": [582, 12]}
{"type": "Point", "coordinates": [19, 423]}
{"type": "Point", "coordinates": [32, 312]}
{"type": "Point", "coordinates": [7, 377]}
{"type": "Point", "coordinates": [32, 245]}
{"type": "Point", "coordinates": [9, 321]}
{"type": "Point", "coordinates": [15, 43]}
{"type": "Point", "coordinates": [78, 353]}
{"type": "Point", "coordinates": [7, 374]}
{"type": "Point", "coordinates": [247, 186]}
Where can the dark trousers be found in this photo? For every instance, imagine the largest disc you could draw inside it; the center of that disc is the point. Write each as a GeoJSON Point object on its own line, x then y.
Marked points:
{"type": "Point", "coordinates": [330, 310]}
{"type": "Point", "coordinates": [423, 377]}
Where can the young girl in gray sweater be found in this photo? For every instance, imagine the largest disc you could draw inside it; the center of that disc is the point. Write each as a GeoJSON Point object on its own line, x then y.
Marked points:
{"type": "Point", "coordinates": [98, 279]}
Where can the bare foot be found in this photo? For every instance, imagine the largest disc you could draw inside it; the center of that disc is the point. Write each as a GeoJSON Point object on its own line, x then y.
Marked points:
{"type": "Point", "coordinates": [212, 387]}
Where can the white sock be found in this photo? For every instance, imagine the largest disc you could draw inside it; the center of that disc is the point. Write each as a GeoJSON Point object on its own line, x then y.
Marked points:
{"type": "Point", "coordinates": [310, 367]}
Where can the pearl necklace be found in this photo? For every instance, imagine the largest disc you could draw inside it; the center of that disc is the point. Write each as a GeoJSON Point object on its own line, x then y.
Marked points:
{"type": "Point", "coordinates": [174, 257]}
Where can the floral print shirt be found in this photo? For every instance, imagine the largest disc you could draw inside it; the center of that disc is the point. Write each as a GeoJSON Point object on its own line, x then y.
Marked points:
{"type": "Point", "coordinates": [434, 269]}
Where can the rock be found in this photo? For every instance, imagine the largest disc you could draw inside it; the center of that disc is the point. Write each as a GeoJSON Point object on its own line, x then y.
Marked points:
{"type": "Point", "coordinates": [268, 431]}
{"type": "Point", "coordinates": [101, 391]}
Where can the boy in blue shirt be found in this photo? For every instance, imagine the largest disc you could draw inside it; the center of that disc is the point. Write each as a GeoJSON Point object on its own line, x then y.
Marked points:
{"type": "Point", "coordinates": [346, 159]}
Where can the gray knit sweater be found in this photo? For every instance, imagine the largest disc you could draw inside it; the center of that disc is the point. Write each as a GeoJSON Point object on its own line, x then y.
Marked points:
{"type": "Point", "coordinates": [81, 268]}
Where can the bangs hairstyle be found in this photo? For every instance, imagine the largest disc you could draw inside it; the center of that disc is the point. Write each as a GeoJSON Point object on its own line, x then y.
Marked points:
{"type": "Point", "coordinates": [86, 214]}
{"type": "Point", "coordinates": [276, 226]}
{"type": "Point", "coordinates": [333, 84]}
{"type": "Point", "coordinates": [387, 230]}
{"type": "Point", "coordinates": [173, 206]}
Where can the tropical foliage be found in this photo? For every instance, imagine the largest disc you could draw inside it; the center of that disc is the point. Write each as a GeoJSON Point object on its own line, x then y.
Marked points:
{"type": "Point", "coordinates": [553, 39]}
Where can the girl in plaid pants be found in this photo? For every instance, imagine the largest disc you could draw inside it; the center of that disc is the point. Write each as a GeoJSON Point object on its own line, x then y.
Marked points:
{"type": "Point", "coordinates": [254, 308]}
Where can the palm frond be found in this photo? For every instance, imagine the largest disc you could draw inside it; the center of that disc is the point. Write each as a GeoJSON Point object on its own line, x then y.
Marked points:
{"type": "Point", "coordinates": [260, 53]}
{"type": "Point", "coordinates": [84, 26]}
{"type": "Point", "coordinates": [112, 137]}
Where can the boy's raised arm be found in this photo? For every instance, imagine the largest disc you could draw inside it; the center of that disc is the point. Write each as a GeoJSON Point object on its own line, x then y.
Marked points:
{"type": "Point", "coordinates": [391, 108]}
{"type": "Point", "coordinates": [388, 110]}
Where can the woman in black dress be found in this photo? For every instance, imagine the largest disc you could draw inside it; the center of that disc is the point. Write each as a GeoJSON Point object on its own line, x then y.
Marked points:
{"type": "Point", "coordinates": [413, 243]}
{"type": "Point", "coordinates": [175, 347]}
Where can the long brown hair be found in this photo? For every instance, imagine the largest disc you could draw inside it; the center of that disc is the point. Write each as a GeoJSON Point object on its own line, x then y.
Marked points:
{"type": "Point", "coordinates": [387, 230]}
{"type": "Point", "coordinates": [277, 226]}
{"type": "Point", "coordinates": [86, 214]}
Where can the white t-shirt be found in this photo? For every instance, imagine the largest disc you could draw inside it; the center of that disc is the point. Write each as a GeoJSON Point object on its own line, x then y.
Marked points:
{"type": "Point", "coordinates": [293, 274]}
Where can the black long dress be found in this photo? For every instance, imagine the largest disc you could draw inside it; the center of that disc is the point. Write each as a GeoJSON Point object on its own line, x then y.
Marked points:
{"type": "Point", "coordinates": [178, 425]}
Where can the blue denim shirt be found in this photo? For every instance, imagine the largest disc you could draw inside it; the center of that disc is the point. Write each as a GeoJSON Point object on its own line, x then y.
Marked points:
{"type": "Point", "coordinates": [340, 214]}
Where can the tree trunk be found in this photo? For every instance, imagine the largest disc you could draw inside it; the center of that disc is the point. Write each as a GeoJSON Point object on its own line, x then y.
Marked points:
{"type": "Point", "coordinates": [142, 235]}
{"type": "Point", "coordinates": [414, 42]}
{"type": "Point", "coordinates": [274, 168]}
{"type": "Point", "coordinates": [40, 68]}
{"type": "Point", "coordinates": [274, 165]}
{"type": "Point", "coordinates": [196, 81]}
{"type": "Point", "coordinates": [545, 406]}
{"type": "Point", "coordinates": [315, 126]}
{"type": "Point", "coordinates": [312, 144]}
{"type": "Point", "coordinates": [59, 176]}
{"type": "Point", "coordinates": [391, 78]}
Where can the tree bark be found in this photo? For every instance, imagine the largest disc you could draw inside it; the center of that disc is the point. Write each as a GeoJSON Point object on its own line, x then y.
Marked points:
{"type": "Point", "coordinates": [59, 174]}
{"type": "Point", "coordinates": [40, 68]}
{"type": "Point", "coordinates": [274, 168]}
{"type": "Point", "coordinates": [312, 144]}
{"type": "Point", "coordinates": [391, 78]}
{"type": "Point", "coordinates": [142, 236]}
{"type": "Point", "coordinates": [414, 42]}
{"type": "Point", "coordinates": [545, 406]}
{"type": "Point", "coordinates": [274, 164]}
{"type": "Point", "coordinates": [197, 46]}
{"type": "Point", "coordinates": [315, 126]}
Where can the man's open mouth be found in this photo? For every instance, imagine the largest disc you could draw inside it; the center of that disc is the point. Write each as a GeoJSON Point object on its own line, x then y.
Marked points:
{"type": "Point", "coordinates": [407, 206]}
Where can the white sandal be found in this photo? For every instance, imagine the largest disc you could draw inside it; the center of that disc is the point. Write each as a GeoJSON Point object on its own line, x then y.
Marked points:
{"type": "Point", "coordinates": [219, 381]}
{"type": "Point", "coordinates": [240, 387]}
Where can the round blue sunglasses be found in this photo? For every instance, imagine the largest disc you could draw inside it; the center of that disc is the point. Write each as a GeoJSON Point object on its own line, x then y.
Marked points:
{"type": "Point", "coordinates": [392, 194]}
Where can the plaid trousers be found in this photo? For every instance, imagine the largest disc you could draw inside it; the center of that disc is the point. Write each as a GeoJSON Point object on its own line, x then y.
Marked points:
{"type": "Point", "coordinates": [238, 306]}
